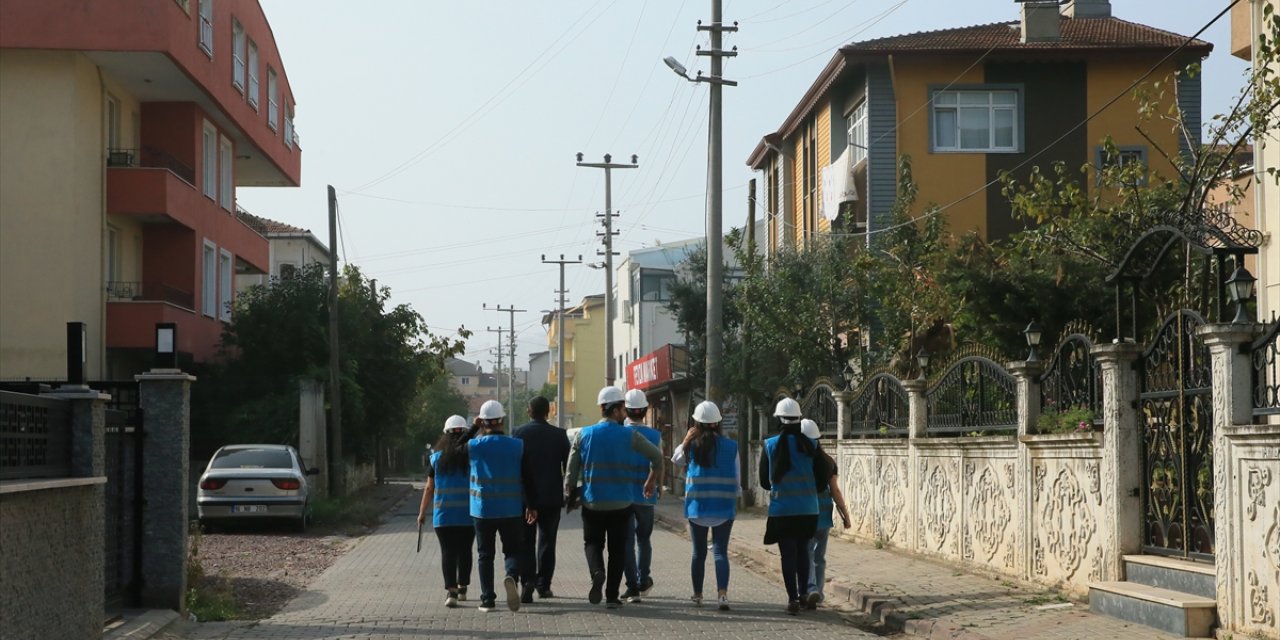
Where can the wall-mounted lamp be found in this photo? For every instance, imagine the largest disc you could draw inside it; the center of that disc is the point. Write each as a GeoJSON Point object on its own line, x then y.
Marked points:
{"type": "Point", "coordinates": [166, 345]}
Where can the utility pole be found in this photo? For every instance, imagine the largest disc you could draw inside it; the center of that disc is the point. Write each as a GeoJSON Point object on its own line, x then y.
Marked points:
{"type": "Point", "coordinates": [498, 368]}
{"type": "Point", "coordinates": [560, 336]}
{"type": "Point", "coordinates": [511, 334]}
{"type": "Point", "coordinates": [608, 165]}
{"type": "Point", "coordinates": [335, 376]}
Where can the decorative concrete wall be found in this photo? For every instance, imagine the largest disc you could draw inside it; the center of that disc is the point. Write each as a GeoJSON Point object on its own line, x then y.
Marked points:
{"type": "Point", "coordinates": [1066, 512]}
{"type": "Point", "coordinates": [1252, 598]}
{"type": "Point", "coordinates": [875, 480]}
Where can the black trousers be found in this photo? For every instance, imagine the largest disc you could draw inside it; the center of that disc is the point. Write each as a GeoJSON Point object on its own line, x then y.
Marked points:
{"type": "Point", "coordinates": [538, 564]}
{"type": "Point", "coordinates": [601, 528]}
{"type": "Point", "coordinates": [794, 553]}
{"type": "Point", "coordinates": [455, 554]}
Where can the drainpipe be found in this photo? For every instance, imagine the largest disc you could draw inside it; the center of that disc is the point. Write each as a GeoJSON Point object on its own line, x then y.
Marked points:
{"type": "Point", "coordinates": [102, 228]}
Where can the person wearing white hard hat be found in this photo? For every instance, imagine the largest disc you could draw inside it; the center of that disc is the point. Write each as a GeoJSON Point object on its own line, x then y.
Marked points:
{"type": "Point", "coordinates": [498, 482]}
{"type": "Point", "coordinates": [639, 545]}
{"type": "Point", "coordinates": [792, 471]}
{"type": "Point", "coordinates": [446, 491]}
{"type": "Point", "coordinates": [602, 456]}
{"type": "Point", "coordinates": [829, 499]}
{"type": "Point", "coordinates": [712, 486]}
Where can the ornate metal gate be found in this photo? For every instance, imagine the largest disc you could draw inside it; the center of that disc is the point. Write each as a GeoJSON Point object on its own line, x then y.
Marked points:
{"type": "Point", "coordinates": [1176, 418]}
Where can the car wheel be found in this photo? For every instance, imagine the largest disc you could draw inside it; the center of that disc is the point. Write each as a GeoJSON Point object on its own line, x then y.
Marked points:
{"type": "Point", "coordinates": [304, 520]}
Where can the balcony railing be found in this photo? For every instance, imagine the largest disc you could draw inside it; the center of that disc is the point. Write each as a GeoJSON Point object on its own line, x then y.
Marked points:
{"type": "Point", "coordinates": [150, 292]}
{"type": "Point", "coordinates": [150, 158]}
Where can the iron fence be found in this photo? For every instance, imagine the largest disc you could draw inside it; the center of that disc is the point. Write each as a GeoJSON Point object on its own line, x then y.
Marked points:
{"type": "Point", "coordinates": [879, 408]}
{"type": "Point", "coordinates": [35, 437]}
{"type": "Point", "coordinates": [152, 159]}
{"type": "Point", "coordinates": [1266, 372]}
{"type": "Point", "coordinates": [820, 406]}
{"type": "Point", "coordinates": [974, 394]}
{"type": "Point", "coordinates": [1072, 379]}
{"type": "Point", "coordinates": [150, 291]}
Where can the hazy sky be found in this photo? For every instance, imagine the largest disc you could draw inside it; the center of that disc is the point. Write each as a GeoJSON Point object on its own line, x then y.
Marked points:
{"type": "Point", "coordinates": [449, 128]}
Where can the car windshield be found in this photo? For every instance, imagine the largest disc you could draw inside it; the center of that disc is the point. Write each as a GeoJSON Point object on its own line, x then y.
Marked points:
{"type": "Point", "coordinates": [253, 459]}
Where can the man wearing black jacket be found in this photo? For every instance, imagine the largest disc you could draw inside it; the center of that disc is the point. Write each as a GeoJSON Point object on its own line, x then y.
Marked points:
{"type": "Point", "coordinates": [546, 452]}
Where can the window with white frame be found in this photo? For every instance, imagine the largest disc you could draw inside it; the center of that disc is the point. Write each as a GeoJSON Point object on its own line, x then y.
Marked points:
{"type": "Point", "coordinates": [210, 153]}
{"type": "Point", "coordinates": [113, 123]}
{"type": "Point", "coordinates": [209, 280]}
{"type": "Point", "coordinates": [237, 54]}
{"type": "Point", "coordinates": [113, 255]}
{"type": "Point", "coordinates": [288, 127]}
{"type": "Point", "coordinates": [858, 132]}
{"type": "Point", "coordinates": [253, 74]}
{"type": "Point", "coordinates": [1122, 156]}
{"type": "Point", "coordinates": [273, 100]}
{"type": "Point", "coordinates": [287, 271]}
{"type": "Point", "coordinates": [206, 26]}
{"type": "Point", "coordinates": [225, 274]}
{"type": "Point", "coordinates": [226, 192]}
{"type": "Point", "coordinates": [976, 120]}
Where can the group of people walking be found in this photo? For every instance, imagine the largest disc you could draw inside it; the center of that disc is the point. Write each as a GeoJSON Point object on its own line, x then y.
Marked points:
{"type": "Point", "coordinates": [483, 486]}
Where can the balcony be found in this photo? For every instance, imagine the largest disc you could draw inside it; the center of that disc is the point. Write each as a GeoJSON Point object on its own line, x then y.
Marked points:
{"type": "Point", "coordinates": [150, 292]}
{"type": "Point", "coordinates": [151, 159]}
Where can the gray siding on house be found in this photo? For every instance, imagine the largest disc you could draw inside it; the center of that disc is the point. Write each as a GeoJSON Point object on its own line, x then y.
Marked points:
{"type": "Point", "coordinates": [839, 129]}
{"type": "Point", "coordinates": [1189, 101]}
{"type": "Point", "coordinates": [882, 138]}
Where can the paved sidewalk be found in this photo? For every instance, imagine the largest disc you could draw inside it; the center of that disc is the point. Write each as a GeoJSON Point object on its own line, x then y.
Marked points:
{"type": "Point", "coordinates": [927, 598]}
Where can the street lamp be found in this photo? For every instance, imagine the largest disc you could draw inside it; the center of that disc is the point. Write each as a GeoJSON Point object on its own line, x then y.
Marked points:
{"type": "Point", "coordinates": [1240, 287]}
{"type": "Point", "coordinates": [848, 374]}
{"type": "Point", "coordinates": [922, 359]}
{"type": "Point", "coordinates": [1033, 332]}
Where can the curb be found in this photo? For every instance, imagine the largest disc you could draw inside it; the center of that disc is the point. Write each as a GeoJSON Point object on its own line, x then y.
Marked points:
{"type": "Point", "coordinates": [140, 625]}
{"type": "Point", "coordinates": [882, 608]}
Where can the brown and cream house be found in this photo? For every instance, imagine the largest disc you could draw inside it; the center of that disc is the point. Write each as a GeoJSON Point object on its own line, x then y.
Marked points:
{"type": "Point", "coordinates": [125, 129]}
{"type": "Point", "coordinates": [966, 104]}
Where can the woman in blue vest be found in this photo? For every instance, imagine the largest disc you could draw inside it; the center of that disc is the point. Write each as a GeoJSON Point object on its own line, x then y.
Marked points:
{"type": "Point", "coordinates": [829, 499]}
{"type": "Point", "coordinates": [711, 489]}
{"type": "Point", "coordinates": [446, 492]}
{"type": "Point", "coordinates": [497, 503]}
{"type": "Point", "coordinates": [791, 471]}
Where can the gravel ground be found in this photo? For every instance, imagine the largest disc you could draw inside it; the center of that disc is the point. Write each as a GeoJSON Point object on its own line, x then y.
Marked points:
{"type": "Point", "coordinates": [264, 567]}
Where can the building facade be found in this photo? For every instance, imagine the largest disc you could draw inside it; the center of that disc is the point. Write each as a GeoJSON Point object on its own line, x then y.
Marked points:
{"type": "Point", "coordinates": [584, 360]}
{"type": "Point", "coordinates": [1247, 25]}
{"type": "Point", "coordinates": [125, 128]}
{"type": "Point", "coordinates": [289, 249]}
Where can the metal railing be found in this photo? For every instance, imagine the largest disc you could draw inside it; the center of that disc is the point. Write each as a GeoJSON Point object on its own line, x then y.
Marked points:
{"type": "Point", "coordinates": [1264, 356]}
{"type": "Point", "coordinates": [35, 437]}
{"type": "Point", "coordinates": [151, 159]}
{"type": "Point", "coordinates": [150, 292]}
{"type": "Point", "coordinates": [1072, 379]}
{"type": "Point", "coordinates": [974, 394]}
{"type": "Point", "coordinates": [879, 408]}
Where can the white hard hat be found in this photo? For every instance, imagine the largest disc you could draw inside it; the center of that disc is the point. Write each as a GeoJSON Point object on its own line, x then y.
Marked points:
{"type": "Point", "coordinates": [637, 400]}
{"type": "Point", "coordinates": [810, 429]}
{"type": "Point", "coordinates": [707, 412]}
{"type": "Point", "coordinates": [455, 423]}
{"type": "Point", "coordinates": [788, 409]}
{"type": "Point", "coordinates": [610, 395]}
{"type": "Point", "coordinates": [492, 410]}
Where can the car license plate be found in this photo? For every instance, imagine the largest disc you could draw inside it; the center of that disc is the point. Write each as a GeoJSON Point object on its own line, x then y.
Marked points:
{"type": "Point", "coordinates": [249, 508]}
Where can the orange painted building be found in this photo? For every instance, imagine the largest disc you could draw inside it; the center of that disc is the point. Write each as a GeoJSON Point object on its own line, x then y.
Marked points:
{"type": "Point", "coordinates": [125, 128]}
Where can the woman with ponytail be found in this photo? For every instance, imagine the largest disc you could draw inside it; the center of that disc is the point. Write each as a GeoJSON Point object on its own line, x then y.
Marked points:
{"type": "Point", "coordinates": [792, 471]}
{"type": "Point", "coordinates": [711, 488]}
{"type": "Point", "coordinates": [446, 491]}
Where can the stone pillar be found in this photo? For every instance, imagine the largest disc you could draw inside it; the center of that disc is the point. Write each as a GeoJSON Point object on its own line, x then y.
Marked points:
{"type": "Point", "coordinates": [917, 428]}
{"type": "Point", "coordinates": [842, 413]}
{"type": "Point", "coordinates": [1232, 406]}
{"type": "Point", "coordinates": [1027, 375]}
{"type": "Point", "coordinates": [87, 408]}
{"type": "Point", "coordinates": [312, 443]}
{"type": "Point", "coordinates": [165, 398]}
{"type": "Point", "coordinates": [1122, 464]}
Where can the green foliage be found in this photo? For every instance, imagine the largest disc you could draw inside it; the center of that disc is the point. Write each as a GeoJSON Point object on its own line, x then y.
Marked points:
{"type": "Point", "coordinates": [433, 405]}
{"type": "Point", "coordinates": [1065, 420]}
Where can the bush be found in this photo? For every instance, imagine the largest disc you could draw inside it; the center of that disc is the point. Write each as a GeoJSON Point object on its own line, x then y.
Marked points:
{"type": "Point", "coordinates": [1071, 420]}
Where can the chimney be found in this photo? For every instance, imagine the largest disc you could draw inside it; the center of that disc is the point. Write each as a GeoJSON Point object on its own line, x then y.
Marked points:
{"type": "Point", "coordinates": [1040, 21]}
{"type": "Point", "coordinates": [1087, 8]}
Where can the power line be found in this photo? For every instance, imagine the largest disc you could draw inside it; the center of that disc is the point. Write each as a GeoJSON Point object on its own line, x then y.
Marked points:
{"type": "Point", "coordinates": [870, 23]}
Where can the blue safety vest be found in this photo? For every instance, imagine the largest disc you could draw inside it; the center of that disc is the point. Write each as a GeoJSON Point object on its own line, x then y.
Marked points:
{"type": "Point", "coordinates": [449, 506]}
{"type": "Point", "coordinates": [495, 477]}
{"type": "Point", "coordinates": [794, 494]}
{"type": "Point", "coordinates": [642, 463]}
{"type": "Point", "coordinates": [608, 472]}
{"type": "Point", "coordinates": [712, 492]}
{"type": "Point", "coordinates": [826, 505]}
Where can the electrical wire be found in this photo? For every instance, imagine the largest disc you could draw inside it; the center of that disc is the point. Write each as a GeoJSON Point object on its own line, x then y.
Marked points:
{"type": "Point", "coordinates": [868, 24]}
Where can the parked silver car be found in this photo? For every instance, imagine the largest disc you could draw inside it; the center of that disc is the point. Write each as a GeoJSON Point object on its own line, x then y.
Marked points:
{"type": "Point", "coordinates": [254, 481]}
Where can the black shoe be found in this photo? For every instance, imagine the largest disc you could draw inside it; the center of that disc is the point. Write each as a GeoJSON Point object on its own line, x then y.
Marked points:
{"type": "Point", "coordinates": [543, 594]}
{"type": "Point", "coordinates": [613, 603]}
{"type": "Point", "coordinates": [526, 594]}
{"type": "Point", "coordinates": [513, 595]}
{"type": "Point", "coordinates": [462, 593]}
{"type": "Point", "coordinates": [631, 595]}
{"type": "Point", "coordinates": [811, 600]}
{"type": "Point", "coordinates": [645, 586]}
{"type": "Point", "coordinates": [597, 583]}
{"type": "Point", "coordinates": [486, 605]}
{"type": "Point", "coordinates": [793, 609]}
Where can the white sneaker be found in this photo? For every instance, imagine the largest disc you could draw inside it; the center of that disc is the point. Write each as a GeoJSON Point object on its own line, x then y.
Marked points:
{"type": "Point", "coordinates": [697, 600]}
{"type": "Point", "coordinates": [451, 600]}
{"type": "Point", "coordinates": [513, 593]}
{"type": "Point", "coordinates": [724, 602]}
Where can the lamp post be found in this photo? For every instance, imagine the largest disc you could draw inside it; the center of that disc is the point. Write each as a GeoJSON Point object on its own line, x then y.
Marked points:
{"type": "Point", "coordinates": [1033, 332]}
{"type": "Point", "coordinates": [77, 352]}
{"type": "Point", "coordinates": [1240, 287]}
{"type": "Point", "coordinates": [848, 374]}
{"type": "Point", "coordinates": [922, 360]}
{"type": "Point", "coordinates": [166, 345]}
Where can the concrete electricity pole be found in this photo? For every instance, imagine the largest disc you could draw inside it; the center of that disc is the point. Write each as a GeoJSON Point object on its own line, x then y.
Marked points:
{"type": "Point", "coordinates": [608, 165]}
{"type": "Point", "coordinates": [560, 336]}
{"type": "Point", "coordinates": [335, 376]}
{"type": "Point", "coordinates": [715, 160]}
{"type": "Point", "coordinates": [498, 367]}
{"type": "Point", "coordinates": [511, 334]}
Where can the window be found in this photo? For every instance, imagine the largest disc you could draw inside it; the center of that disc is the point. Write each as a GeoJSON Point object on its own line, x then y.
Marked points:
{"type": "Point", "coordinates": [466, 381]}
{"type": "Point", "coordinates": [809, 210]}
{"type": "Point", "coordinates": [656, 287]}
{"type": "Point", "coordinates": [112, 123]}
{"type": "Point", "coordinates": [858, 133]}
{"type": "Point", "coordinates": [237, 55]}
{"type": "Point", "coordinates": [225, 274]}
{"type": "Point", "coordinates": [253, 74]}
{"type": "Point", "coordinates": [288, 127]}
{"type": "Point", "coordinates": [273, 100]}
{"type": "Point", "coordinates": [206, 26]}
{"type": "Point", "coordinates": [112, 268]}
{"type": "Point", "coordinates": [226, 195]}
{"type": "Point", "coordinates": [210, 141]}
{"type": "Point", "coordinates": [209, 281]}
{"type": "Point", "coordinates": [985, 120]}
{"type": "Point", "coordinates": [288, 271]}
{"type": "Point", "coordinates": [1124, 156]}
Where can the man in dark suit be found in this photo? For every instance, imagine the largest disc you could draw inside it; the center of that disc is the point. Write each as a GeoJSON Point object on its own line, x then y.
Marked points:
{"type": "Point", "coordinates": [546, 452]}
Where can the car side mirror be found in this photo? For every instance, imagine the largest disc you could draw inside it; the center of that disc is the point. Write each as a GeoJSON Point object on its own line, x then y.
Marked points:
{"type": "Point", "coordinates": [313, 471]}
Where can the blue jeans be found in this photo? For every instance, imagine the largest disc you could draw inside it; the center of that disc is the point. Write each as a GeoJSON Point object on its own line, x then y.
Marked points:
{"type": "Point", "coordinates": [818, 562]}
{"type": "Point", "coordinates": [639, 547]}
{"type": "Point", "coordinates": [720, 551]}
{"type": "Point", "coordinates": [511, 531]}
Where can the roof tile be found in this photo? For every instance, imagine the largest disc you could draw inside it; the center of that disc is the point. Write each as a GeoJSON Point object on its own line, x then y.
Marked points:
{"type": "Point", "coordinates": [1077, 34]}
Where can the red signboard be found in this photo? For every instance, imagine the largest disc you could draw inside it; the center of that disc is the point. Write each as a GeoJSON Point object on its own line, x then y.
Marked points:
{"type": "Point", "coordinates": [651, 370]}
